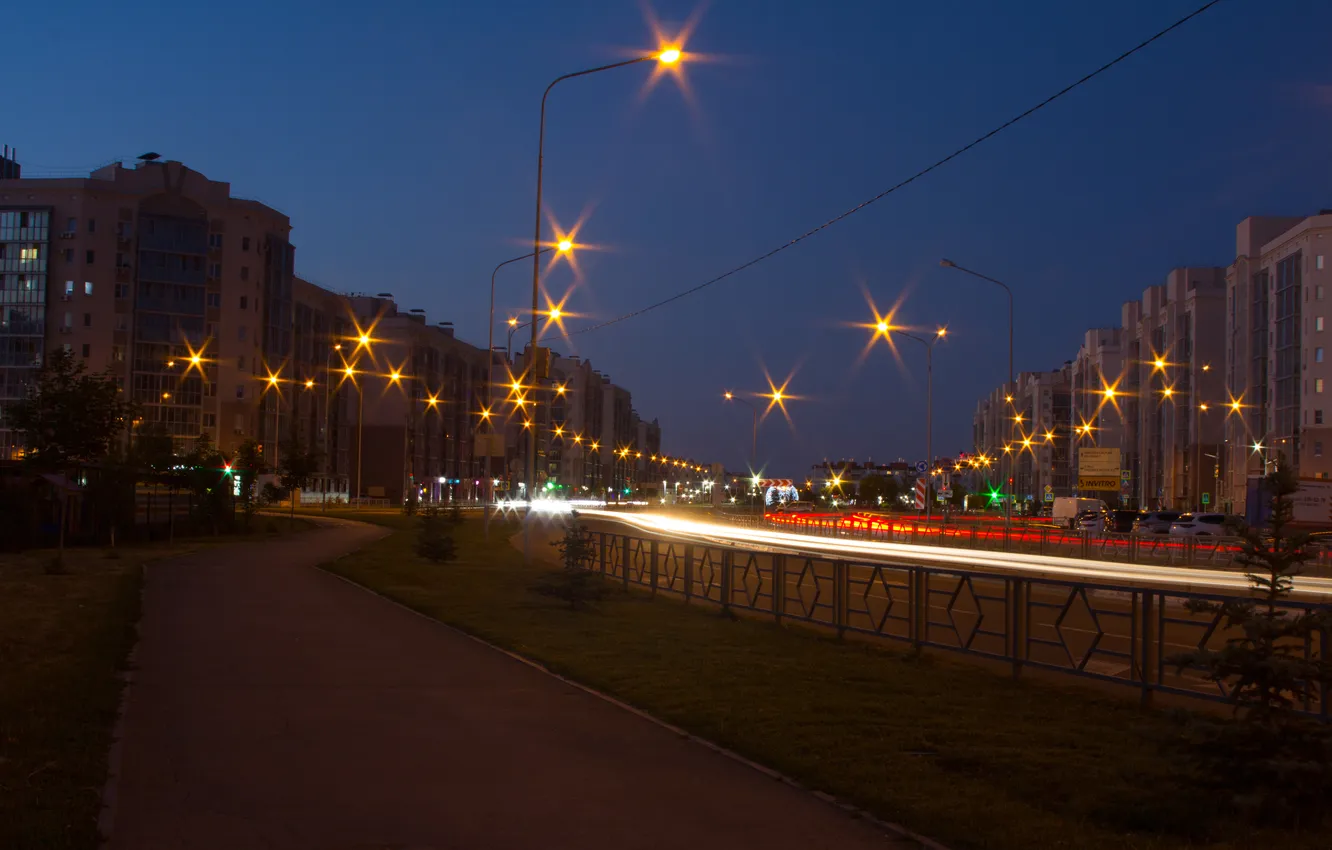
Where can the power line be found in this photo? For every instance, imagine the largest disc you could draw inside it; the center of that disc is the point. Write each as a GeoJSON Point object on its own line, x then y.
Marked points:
{"type": "Point", "coordinates": [909, 180]}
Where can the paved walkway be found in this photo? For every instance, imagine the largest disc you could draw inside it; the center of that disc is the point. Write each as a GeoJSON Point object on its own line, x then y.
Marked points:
{"type": "Point", "coordinates": [276, 706]}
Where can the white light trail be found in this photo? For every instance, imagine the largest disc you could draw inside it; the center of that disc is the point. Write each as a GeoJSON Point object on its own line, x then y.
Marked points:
{"type": "Point", "coordinates": [1187, 579]}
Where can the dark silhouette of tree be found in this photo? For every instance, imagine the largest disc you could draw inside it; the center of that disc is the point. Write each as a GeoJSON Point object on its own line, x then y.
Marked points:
{"type": "Point", "coordinates": [298, 465]}
{"type": "Point", "coordinates": [247, 466]}
{"type": "Point", "coordinates": [433, 541]}
{"type": "Point", "coordinates": [875, 487]}
{"type": "Point", "coordinates": [69, 417]}
{"type": "Point", "coordinates": [575, 584]}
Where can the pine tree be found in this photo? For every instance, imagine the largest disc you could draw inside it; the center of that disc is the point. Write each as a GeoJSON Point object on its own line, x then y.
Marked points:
{"type": "Point", "coordinates": [1275, 761]}
{"type": "Point", "coordinates": [575, 584]}
{"type": "Point", "coordinates": [433, 541]}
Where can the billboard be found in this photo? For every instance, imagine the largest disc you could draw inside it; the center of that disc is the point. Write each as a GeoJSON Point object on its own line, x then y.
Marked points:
{"type": "Point", "coordinates": [1098, 469]}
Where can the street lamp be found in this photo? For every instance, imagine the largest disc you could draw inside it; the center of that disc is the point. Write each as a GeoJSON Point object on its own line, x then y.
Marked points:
{"type": "Point", "coordinates": [329, 466]}
{"type": "Point", "coordinates": [939, 334]}
{"type": "Point", "coordinates": [1012, 381]}
{"type": "Point", "coordinates": [273, 379]}
{"type": "Point", "coordinates": [350, 373]}
{"type": "Point", "coordinates": [668, 55]}
{"type": "Point", "coordinates": [753, 445]}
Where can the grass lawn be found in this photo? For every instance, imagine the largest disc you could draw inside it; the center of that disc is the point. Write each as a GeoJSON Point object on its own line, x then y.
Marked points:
{"type": "Point", "coordinates": [948, 749]}
{"type": "Point", "coordinates": [63, 643]}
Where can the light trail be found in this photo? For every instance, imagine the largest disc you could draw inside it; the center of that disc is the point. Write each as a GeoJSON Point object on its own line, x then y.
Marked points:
{"type": "Point", "coordinates": [1185, 579]}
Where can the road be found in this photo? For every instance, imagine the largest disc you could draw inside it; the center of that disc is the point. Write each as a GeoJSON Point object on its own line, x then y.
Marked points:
{"type": "Point", "coordinates": [275, 705]}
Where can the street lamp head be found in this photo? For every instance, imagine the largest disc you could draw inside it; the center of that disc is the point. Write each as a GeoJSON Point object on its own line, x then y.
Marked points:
{"type": "Point", "coordinates": [309, 383]}
{"type": "Point", "coordinates": [272, 380]}
{"type": "Point", "coordinates": [777, 396]}
{"type": "Point", "coordinates": [555, 313]}
{"type": "Point", "coordinates": [349, 371]}
{"type": "Point", "coordinates": [337, 346]}
{"type": "Point", "coordinates": [395, 376]}
{"type": "Point", "coordinates": [364, 339]}
{"type": "Point", "coordinates": [432, 401]}
{"type": "Point", "coordinates": [941, 333]}
{"type": "Point", "coordinates": [728, 395]}
{"type": "Point", "coordinates": [195, 359]}
{"type": "Point", "coordinates": [948, 264]}
{"type": "Point", "coordinates": [882, 327]}
{"type": "Point", "coordinates": [559, 389]}
{"type": "Point", "coordinates": [564, 245]}
{"type": "Point", "coordinates": [669, 56]}
{"type": "Point", "coordinates": [1158, 364]}
{"type": "Point", "coordinates": [513, 321]}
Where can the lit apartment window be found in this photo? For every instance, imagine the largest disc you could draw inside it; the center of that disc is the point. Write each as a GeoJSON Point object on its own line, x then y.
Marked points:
{"type": "Point", "coordinates": [118, 353]}
{"type": "Point", "coordinates": [69, 287]}
{"type": "Point", "coordinates": [87, 287]}
{"type": "Point", "coordinates": [1318, 385]}
{"type": "Point", "coordinates": [28, 252]}
{"type": "Point", "coordinates": [69, 320]}
{"type": "Point", "coordinates": [1318, 323]}
{"type": "Point", "coordinates": [1318, 262]}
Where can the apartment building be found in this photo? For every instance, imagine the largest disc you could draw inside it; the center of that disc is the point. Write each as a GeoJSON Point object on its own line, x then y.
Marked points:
{"type": "Point", "coordinates": [417, 420]}
{"type": "Point", "coordinates": [1277, 371]}
{"type": "Point", "coordinates": [158, 273]}
{"type": "Point", "coordinates": [1174, 389]}
{"type": "Point", "coordinates": [1040, 446]}
{"type": "Point", "coordinates": [1096, 396]}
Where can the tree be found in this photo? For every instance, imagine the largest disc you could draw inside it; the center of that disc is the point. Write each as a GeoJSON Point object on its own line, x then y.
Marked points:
{"type": "Point", "coordinates": [876, 487]}
{"type": "Point", "coordinates": [433, 541]}
{"type": "Point", "coordinates": [208, 479]}
{"type": "Point", "coordinates": [297, 466]}
{"type": "Point", "coordinates": [69, 417]}
{"type": "Point", "coordinates": [1275, 762]}
{"type": "Point", "coordinates": [247, 466]}
{"type": "Point", "coordinates": [574, 584]}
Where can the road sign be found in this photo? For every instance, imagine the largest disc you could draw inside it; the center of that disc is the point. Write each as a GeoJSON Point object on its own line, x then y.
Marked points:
{"type": "Point", "coordinates": [1049, 488]}
{"type": "Point", "coordinates": [1125, 475]}
{"type": "Point", "coordinates": [920, 494]}
{"type": "Point", "coordinates": [921, 466]}
{"type": "Point", "coordinates": [1098, 469]}
{"type": "Point", "coordinates": [1206, 498]}
{"type": "Point", "coordinates": [1049, 497]}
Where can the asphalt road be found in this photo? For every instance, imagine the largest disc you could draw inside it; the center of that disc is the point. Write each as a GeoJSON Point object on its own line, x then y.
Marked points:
{"type": "Point", "coordinates": [274, 705]}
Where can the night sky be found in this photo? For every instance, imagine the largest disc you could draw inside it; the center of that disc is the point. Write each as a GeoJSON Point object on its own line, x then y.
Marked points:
{"type": "Point", "coordinates": [403, 147]}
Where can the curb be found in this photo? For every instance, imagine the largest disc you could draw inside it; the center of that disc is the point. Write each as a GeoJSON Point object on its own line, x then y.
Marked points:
{"type": "Point", "coordinates": [847, 808]}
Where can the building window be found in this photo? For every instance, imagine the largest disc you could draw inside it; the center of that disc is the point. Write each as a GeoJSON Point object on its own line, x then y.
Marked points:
{"type": "Point", "coordinates": [122, 290]}
{"type": "Point", "coordinates": [240, 363]}
{"type": "Point", "coordinates": [87, 350]}
{"type": "Point", "coordinates": [87, 287]}
{"type": "Point", "coordinates": [92, 225]}
{"type": "Point", "coordinates": [215, 240]}
{"type": "Point", "coordinates": [122, 322]}
{"type": "Point", "coordinates": [72, 225]}
{"type": "Point", "coordinates": [1318, 262]}
{"type": "Point", "coordinates": [1318, 448]}
{"type": "Point", "coordinates": [214, 299]}
{"type": "Point", "coordinates": [243, 302]}
{"type": "Point", "coordinates": [90, 257]}
{"type": "Point", "coordinates": [1318, 323]}
{"type": "Point", "coordinates": [1318, 385]}
{"type": "Point", "coordinates": [210, 420]}
{"type": "Point", "coordinates": [87, 320]}
{"type": "Point", "coordinates": [69, 255]}
{"type": "Point", "coordinates": [245, 272]}
{"type": "Point", "coordinates": [215, 270]}
{"type": "Point", "coordinates": [240, 334]}
{"type": "Point", "coordinates": [1318, 417]}
{"type": "Point", "coordinates": [240, 391]}
{"type": "Point", "coordinates": [1318, 292]}
{"type": "Point", "coordinates": [1318, 355]}
{"type": "Point", "coordinates": [245, 246]}
{"type": "Point", "coordinates": [69, 320]}
{"type": "Point", "coordinates": [67, 348]}
{"type": "Point", "coordinates": [69, 287]}
{"type": "Point", "coordinates": [118, 353]}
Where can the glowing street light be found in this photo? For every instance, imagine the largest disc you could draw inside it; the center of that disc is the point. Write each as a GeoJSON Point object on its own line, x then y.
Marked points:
{"type": "Point", "coordinates": [669, 56]}
{"type": "Point", "coordinates": [564, 245]}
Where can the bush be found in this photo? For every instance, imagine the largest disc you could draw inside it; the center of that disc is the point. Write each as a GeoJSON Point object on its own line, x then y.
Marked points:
{"type": "Point", "coordinates": [574, 584]}
{"type": "Point", "coordinates": [432, 540]}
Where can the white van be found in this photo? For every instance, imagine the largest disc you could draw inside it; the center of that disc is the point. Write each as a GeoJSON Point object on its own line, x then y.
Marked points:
{"type": "Point", "coordinates": [1066, 509]}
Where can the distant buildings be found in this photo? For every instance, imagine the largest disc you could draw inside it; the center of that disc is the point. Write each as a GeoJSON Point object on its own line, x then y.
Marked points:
{"type": "Point", "coordinates": [1208, 379]}
{"type": "Point", "coordinates": [190, 296]}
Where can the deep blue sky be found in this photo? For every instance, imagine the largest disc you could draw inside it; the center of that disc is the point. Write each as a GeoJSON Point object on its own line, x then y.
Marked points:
{"type": "Point", "coordinates": [402, 145]}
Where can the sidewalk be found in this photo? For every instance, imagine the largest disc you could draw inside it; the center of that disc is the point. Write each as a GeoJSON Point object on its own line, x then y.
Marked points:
{"type": "Point", "coordinates": [277, 706]}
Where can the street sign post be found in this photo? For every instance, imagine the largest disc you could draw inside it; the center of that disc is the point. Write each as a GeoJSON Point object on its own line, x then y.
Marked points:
{"type": "Point", "coordinates": [1098, 469]}
{"type": "Point", "coordinates": [1206, 499]}
{"type": "Point", "coordinates": [922, 466]}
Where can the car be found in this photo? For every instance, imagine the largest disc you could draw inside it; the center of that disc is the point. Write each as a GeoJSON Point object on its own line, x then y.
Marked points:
{"type": "Point", "coordinates": [1121, 521]}
{"type": "Point", "coordinates": [795, 508]}
{"type": "Point", "coordinates": [1155, 522]}
{"type": "Point", "coordinates": [1092, 522]}
{"type": "Point", "coordinates": [1199, 525]}
{"type": "Point", "coordinates": [1067, 509]}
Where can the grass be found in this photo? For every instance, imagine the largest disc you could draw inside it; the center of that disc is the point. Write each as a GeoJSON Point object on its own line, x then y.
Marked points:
{"type": "Point", "coordinates": [64, 639]}
{"type": "Point", "coordinates": [948, 749]}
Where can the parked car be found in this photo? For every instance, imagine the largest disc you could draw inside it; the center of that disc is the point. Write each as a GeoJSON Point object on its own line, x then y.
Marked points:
{"type": "Point", "coordinates": [795, 508]}
{"type": "Point", "coordinates": [1155, 522]}
{"type": "Point", "coordinates": [1199, 525]}
{"type": "Point", "coordinates": [1067, 509]}
{"type": "Point", "coordinates": [1093, 522]}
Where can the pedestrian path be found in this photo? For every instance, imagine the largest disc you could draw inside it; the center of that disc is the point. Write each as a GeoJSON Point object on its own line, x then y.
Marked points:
{"type": "Point", "coordinates": [276, 706]}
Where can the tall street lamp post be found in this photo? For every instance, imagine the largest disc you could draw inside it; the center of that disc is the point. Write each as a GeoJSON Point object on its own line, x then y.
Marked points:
{"type": "Point", "coordinates": [329, 466]}
{"type": "Point", "coordinates": [929, 399]}
{"type": "Point", "coordinates": [1010, 389]}
{"type": "Point", "coordinates": [667, 57]}
{"type": "Point", "coordinates": [753, 439]}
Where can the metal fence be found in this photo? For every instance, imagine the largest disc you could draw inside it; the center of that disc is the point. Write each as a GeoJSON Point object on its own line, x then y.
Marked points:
{"type": "Point", "coordinates": [1114, 633]}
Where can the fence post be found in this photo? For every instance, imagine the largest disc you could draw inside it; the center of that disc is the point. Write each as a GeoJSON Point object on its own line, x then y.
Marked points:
{"type": "Point", "coordinates": [601, 551]}
{"type": "Point", "coordinates": [624, 564]}
{"type": "Point", "coordinates": [728, 564]}
{"type": "Point", "coordinates": [915, 577]}
{"type": "Point", "coordinates": [1147, 648]}
{"type": "Point", "coordinates": [688, 573]}
{"type": "Point", "coordinates": [778, 586]}
{"type": "Point", "coordinates": [839, 596]}
{"type": "Point", "coordinates": [1086, 544]}
{"type": "Point", "coordinates": [653, 580]}
{"type": "Point", "coordinates": [1045, 538]}
{"type": "Point", "coordinates": [1017, 624]}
